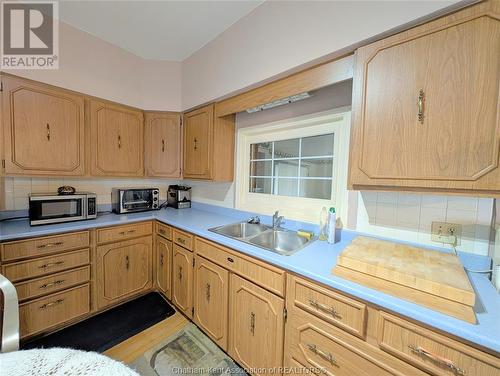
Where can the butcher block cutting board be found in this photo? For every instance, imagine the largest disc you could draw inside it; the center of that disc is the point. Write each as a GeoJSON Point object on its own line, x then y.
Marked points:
{"type": "Point", "coordinates": [434, 279]}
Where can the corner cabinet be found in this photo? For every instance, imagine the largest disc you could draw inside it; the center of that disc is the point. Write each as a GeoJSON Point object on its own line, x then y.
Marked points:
{"type": "Point", "coordinates": [43, 129]}
{"type": "Point", "coordinates": [116, 140]}
{"type": "Point", "coordinates": [163, 144]}
{"type": "Point", "coordinates": [208, 145]}
{"type": "Point", "coordinates": [426, 107]}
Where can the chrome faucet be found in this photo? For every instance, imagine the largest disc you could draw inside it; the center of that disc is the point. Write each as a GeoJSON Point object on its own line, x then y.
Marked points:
{"type": "Point", "coordinates": [277, 220]}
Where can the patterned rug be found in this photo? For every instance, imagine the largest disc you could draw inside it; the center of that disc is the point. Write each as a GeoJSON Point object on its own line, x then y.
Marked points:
{"type": "Point", "coordinates": [188, 351]}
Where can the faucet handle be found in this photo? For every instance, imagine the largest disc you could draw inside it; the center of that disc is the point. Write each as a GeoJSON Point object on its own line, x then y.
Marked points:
{"type": "Point", "coordinates": [254, 220]}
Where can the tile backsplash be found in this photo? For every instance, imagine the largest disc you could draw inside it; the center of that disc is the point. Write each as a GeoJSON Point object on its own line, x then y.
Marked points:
{"type": "Point", "coordinates": [408, 217]}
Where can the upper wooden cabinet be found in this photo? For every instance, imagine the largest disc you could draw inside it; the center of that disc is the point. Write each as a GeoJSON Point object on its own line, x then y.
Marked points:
{"type": "Point", "coordinates": [426, 107]}
{"type": "Point", "coordinates": [116, 140]}
{"type": "Point", "coordinates": [208, 145]}
{"type": "Point", "coordinates": [43, 129]}
{"type": "Point", "coordinates": [163, 140]}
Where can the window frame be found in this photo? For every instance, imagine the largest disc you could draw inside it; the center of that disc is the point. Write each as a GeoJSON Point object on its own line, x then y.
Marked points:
{"type": "Point", "coordinates": [298, 208]}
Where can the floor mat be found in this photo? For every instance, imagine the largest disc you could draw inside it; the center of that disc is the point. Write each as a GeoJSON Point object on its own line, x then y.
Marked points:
{"type": "Point", "coordinates": [188, 351]}
{"type": "Point", "coordinates": [109, 328]}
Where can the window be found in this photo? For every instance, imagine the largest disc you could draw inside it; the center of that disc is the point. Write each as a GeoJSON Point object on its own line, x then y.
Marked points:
{"type": "Point", "coordinates": [295, 166]}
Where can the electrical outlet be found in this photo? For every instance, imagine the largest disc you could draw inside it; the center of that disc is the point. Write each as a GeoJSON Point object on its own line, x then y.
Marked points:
{"type": "Point", "coordinates": [448, 233]}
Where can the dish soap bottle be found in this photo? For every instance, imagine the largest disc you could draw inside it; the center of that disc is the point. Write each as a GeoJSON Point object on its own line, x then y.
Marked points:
{"type": "Point", "coordinates": [323, 224]}
{"type": "Point", "coordinates": [331, 225]}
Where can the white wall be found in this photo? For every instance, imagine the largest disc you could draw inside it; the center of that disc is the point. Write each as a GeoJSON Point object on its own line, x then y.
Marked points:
{"type": "Point", "coordinates": [92, 66]}
{"type": "Point", "coordinates": [279, 36]}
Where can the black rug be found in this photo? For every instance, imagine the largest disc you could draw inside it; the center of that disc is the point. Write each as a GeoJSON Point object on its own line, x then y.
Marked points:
{"type": "Point", "coordinates": [107, 329]}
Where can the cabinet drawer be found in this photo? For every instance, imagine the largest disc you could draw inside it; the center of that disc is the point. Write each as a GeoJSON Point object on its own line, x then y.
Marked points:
{"type": "Point", "coordinates": [43, 246]}
{"type": "Point", "coordinates": [432, 352]}
{"type": "Point", "coordinates": [344, 312]}
{"type": "Point", "coordinates": [119, 233]}
{"type": "Point", "coordinates": [256, 271]}
{"type": "Point", "coordinates": [42, 314]}
{"type": "Point", "coordinates": [45, 265]}
{"type": "Point", "coordinates": [317, 344]}
{"type": "Point", "coordinates": [184, 239]}
{"type": "Point", "coordinates": [53, 283]}
{"type": "Point", "coordinates": [164, 230]}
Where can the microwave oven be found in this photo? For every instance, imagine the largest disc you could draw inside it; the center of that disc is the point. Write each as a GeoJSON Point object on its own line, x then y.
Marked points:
{"type": "Point", "coordinates": [129, 200]}
{"type": "Point", "coordinates": [46, 208]}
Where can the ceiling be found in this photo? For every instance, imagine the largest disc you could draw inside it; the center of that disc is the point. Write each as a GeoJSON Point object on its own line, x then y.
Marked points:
{"type": "Point", "coordinates": [161, 30]}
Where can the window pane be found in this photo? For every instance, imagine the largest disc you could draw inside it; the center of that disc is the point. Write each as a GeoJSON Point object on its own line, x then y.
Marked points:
{"type": "Point", "coordinates": [286, 148]}
{"type": "Point", "coordinates": [261, 185]}
{"type": "Point", "coordinates": [286, 168]}
{"type": "Point", "coordinates": [263, 150]}
{"type": "Point", "coordinates": [316, 168]}
{"type": "Point", "coordinates": [317, 146]}
{"type": "Point", "coordinates": [316, 188]}
{"type": "Point", "coordinates": [261, 168]}
{"type": "Point", "coordinates": [286, 187]}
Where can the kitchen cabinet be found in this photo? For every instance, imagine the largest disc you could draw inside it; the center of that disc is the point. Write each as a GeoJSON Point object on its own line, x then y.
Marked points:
{"type": "Point", "coordinates": [43, 129]}
{"type": "Point", "coordinates": [123, 269]}
{"type": "Point", "coordinates": [116, 140]}
{"type": "Point", "coordinates": [164, 265]}
{"type": "Point", "coordinates": [182, 289]}
{"type": "Point", "coordinates": [426, 107]}
{"type": "Point", "coordinates": [163, 144]}
{"type": "Point", "coordinates": [208, 145]}
{"type": "Point", "coordinates": [211, 300]}
{"type": "Point", "coordinates": [256, 326]}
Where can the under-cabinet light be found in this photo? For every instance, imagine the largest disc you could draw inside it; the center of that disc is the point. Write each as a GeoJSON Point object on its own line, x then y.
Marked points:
{"type": "Point", "coordinates": [279, 102]}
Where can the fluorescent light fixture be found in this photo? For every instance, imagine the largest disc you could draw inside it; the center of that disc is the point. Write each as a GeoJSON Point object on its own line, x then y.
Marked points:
{"type": "Point", "coordinates": [279, 102]}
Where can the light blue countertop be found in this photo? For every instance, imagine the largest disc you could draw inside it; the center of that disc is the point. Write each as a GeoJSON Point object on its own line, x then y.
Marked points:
{"type": "Point", "coordinates": [314, 261]}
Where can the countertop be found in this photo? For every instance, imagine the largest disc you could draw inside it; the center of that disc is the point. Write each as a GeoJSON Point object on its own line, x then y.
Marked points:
{"type": "Point", "coordinates": [314, 262]}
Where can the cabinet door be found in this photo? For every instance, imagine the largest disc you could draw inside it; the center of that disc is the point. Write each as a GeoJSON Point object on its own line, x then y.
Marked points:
{"type": "Point", "coordinates": [44, 129]}
{"type": "Point", "coordinates": [123, 269]}
{"type": "Point", "coordinates": [182, 270]}
{"type": "Point", "coordinates": [164, 265]}
{"type": "Point", "coordinates": [117, 136]}
{"type": "Point", "coordinates": [198, 134]}
{"type": "Point", "coordinates": [211, 292]}
{"type": "Point", "coordinates": [256, 326]}
{"type": "Point", "coordinates": [163, 140]}
{"type": "Point", "coordinates": [426, 108]}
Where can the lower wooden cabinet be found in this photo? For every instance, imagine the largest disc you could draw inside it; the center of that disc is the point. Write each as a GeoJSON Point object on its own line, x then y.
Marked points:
{"type": "Point", "coordinates": [182, 280]}
{"type": "Point", "coordinates": [163, 274]}
{"type": "Point", "coordinates": [123, 269]}
{"type": "Point", "coordinates": [255, 327]}
{"type": "Point", "coordinates": [211, 300]}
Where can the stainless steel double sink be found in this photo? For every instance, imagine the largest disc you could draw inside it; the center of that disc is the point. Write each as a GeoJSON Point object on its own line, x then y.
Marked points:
{"type": "Point", "coordinates": [282, 241]}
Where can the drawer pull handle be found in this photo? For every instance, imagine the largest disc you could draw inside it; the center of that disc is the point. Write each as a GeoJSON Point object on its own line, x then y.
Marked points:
{"type": "Point", "coordinates": [180, 273]}
{"type": "Point", "coordinates": [230, 259]}
{"type": "Point", "coordinates": [51, 304]}
{"type": "Point", "coordinates": [48, 245]}
{"type": "Point", "coordinates": [51, 264]}
{"type": "Point", "coordinates": [127, 262]}
{"type": "Point", "coordinates": [126, 232]}
{"type": "Point", "coordinates": [51, 284]}
{"type": "Point", "coordinates": [161, 259]}
{"type": "Point", "coordinates": [208, 291]}
{"type": "Point", "coordinates": [252, 323]}
{"type": "Point", "coordinates": [420, 105]}
{"type": "Point", "coordinates": [161, 231]}
{"type": "Point", "coordinates": [437, 359]}
{"type": "Point", "coordinates": [163, 146]}
{"type": "Point", "coordinates": [325, 308]}
{"type": "Point", "coordinates": [327, 356]}
{"type": "Point", "coordinates": [182, 241]}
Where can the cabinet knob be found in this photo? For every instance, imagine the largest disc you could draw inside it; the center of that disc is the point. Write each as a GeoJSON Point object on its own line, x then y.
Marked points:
{"type": "Point", "coordinates": [252, 323]}
{"type": "Point", "coordinates": [127, 262]}
{"type": "Point", "coordinates": [161, 259]}
{"type": "Point", "coordinates": [195, 144]}
{"type": "Point", "coordinates": [119, 142]}
{"type": "Point", "coordinates": [48, 132]}
{"type": "Point", "coordinates": [208, 291]}
{"type": "Point", "coordinates": [180, 273]}
{"type": "Point", "coordinates": [163, 146]}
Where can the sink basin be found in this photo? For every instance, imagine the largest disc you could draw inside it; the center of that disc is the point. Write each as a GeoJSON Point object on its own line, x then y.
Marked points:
{"type": "Point", "coordinates": [240, 230]}
{"type": "Point", "coordinates": [280, 241]}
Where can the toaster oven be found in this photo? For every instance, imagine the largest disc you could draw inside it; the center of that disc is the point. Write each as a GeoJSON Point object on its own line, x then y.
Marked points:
{"type": "Point", "coordinates": [129, 200]}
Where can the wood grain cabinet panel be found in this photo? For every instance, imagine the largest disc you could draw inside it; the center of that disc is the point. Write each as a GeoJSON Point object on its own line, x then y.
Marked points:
{"type": "Point", "coordinates": [44, 129]}
{"type": "Point", "coordinates": [123, 269]}
{"type": "Point", "coordinates": [184, 239]}
{"type": "Point", "coordinates": [426, 107]}
{"type": "Point", "coordinates": [163, 144]}
{"type": "Point", "coordinates": [182, 280]}
{"type": "Point", "coordinates": [164, 249]}
{"type": "Point", "coordinates": [163, 230]}
{"type": "Point", "coordinates": [211, 300]}
{"type": "Point", "coordinates": [255, 326]}
{"type": "Point", "coordinates": [116, 139]}
{"type": "Point", "coordinates": [208, 145]}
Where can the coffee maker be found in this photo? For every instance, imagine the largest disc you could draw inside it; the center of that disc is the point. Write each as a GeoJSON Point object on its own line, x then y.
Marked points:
{"type": "Point", "coordinates": [179, 196]}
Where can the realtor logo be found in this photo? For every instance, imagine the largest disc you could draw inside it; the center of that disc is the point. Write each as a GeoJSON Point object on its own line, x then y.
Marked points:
{"type": "Point", "coordinates": [29, 35]}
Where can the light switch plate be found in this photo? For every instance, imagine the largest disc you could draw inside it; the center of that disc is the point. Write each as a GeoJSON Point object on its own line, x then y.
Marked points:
{"type": "Point", "coordinates": [448, 233]}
